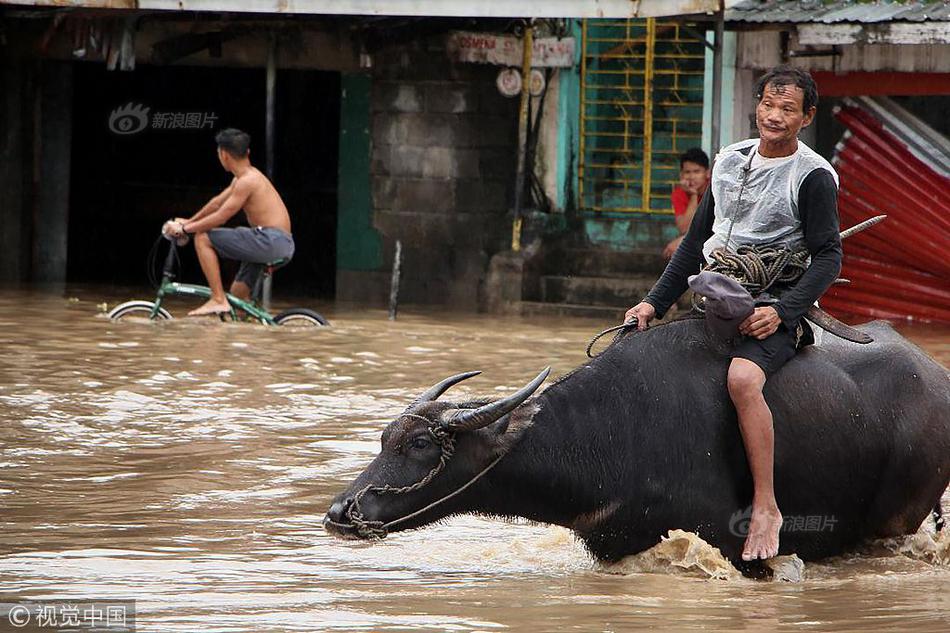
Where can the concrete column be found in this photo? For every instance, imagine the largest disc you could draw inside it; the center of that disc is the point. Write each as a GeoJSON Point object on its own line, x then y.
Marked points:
{"type": "Point", "coordinates": [743, 118]}
{"type": "Point", "coordinates": [14, 247]}
{"type": "Point", "coordinates": [728, 134]}
{"type": "Point", "coordinates": [51, 208]}
{"type": "Point", "coordinates": [546, 159]}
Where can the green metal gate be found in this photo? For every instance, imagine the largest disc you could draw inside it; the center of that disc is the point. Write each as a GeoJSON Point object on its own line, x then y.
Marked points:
{"type": "Point", "coordinates": [641, 107]}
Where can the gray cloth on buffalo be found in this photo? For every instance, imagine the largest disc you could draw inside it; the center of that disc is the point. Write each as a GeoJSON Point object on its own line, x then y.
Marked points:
{"type": "Point", "coordinates": [728, 304]}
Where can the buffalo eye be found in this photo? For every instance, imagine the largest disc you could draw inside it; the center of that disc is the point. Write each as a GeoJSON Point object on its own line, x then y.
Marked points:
{"type": "Point", "coordinates": [420, 443]}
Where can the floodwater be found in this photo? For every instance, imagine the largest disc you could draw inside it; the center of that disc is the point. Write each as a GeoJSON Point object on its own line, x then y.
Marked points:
{"type": "Point", "coordinates": [188, 464]}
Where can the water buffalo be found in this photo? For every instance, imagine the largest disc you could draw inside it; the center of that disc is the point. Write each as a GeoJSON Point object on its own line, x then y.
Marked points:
{"type": "Point", "coordinates": [642, 439]}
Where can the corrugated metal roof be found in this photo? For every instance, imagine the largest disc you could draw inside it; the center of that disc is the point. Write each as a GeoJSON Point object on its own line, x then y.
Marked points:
{"type": "Point", "coordinates": [422, 8]}
{"type": "Point", "coordinates": [832, 11]}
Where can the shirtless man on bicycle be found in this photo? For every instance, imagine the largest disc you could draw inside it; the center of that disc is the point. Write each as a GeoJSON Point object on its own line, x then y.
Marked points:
{"type": "Point", "coordinates": [267, 238]}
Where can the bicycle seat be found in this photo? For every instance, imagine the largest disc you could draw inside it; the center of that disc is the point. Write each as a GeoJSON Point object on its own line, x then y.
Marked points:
{"type": "Point", "coordinates": [270, 267]}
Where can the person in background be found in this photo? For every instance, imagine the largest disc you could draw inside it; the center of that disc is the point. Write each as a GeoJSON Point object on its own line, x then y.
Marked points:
{"type": "Point", "coordinates": [267, 239]}
{"type": "Point", "coordinates": [694, 178]}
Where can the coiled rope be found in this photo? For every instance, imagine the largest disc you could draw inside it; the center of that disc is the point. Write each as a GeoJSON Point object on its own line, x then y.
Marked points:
{"type": "Point", "coordinates": [758, 268]}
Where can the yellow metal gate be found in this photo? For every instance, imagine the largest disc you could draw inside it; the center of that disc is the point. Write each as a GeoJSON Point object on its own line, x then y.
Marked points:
{"type": "Point", "coordinates": [641, 107]}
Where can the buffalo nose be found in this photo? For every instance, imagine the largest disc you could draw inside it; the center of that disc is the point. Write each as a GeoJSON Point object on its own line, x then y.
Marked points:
{"type": "Point", "coordinates": [337, 511]}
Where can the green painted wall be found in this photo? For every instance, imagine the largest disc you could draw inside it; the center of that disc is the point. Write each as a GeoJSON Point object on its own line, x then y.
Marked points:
{"type": "Point", "coordinates": [568, 109]}
{"type": "Point", "coordinates": [358, 245]}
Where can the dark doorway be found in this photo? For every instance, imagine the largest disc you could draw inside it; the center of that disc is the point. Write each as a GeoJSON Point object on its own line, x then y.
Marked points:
{"type": "Point", "coordinates": [125, 183]}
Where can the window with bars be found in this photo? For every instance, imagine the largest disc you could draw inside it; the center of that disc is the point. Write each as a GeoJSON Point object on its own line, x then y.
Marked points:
{"type": "Point", "coordinates": [641, 107]}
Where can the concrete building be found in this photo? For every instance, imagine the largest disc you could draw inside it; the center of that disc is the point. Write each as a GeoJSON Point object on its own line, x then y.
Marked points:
{"type": "Point", "coordinates": [377, 128]}
{"type": "Point", "coordinates": [897, 49]}
{"type": "Point", "coordinates": [609, 257]}
{"type": "Point", "coordinates": [359, 106]}
{"type": "Point", "coordinates": [370, 129]}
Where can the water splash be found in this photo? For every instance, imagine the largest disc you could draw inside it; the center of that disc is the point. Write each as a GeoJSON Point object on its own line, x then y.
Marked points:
{"type": "Point", "coordinates": [678, 553]}
{"type": "Point", "coordinates": [933, 548]}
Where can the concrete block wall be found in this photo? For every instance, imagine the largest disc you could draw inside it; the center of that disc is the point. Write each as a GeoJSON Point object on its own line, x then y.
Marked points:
{"type": "Point", "coordinates": [35, 131]}
{"type": "Point", "coordinates": [443, 168]}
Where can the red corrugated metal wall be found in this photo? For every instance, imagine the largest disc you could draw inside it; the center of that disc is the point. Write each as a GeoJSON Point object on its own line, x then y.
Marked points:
{"type": "Point", "coordinates": [899, 269]}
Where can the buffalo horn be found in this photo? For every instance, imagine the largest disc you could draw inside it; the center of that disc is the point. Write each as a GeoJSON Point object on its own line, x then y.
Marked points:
{"type": "Point", "coordinates": [830, 324]}
{"type": "Point", "coordinates": [439, 388]}
{"type": "Point", "coordinates": [460, 420]}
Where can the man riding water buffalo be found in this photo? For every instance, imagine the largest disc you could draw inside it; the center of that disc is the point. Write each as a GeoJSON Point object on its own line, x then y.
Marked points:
{"type": "Point", "coordinates": [770, 191]}
{"type": "Point", "coordinates": [860, 439]}
{"type": "Point", "coordinates": [618, 455]}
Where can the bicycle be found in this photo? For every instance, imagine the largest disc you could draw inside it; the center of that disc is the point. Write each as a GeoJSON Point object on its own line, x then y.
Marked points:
{"type": "Point", "coordinates": [253, 310]}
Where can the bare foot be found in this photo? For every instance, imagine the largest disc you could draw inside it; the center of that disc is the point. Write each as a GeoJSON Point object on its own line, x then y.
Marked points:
{"type": "Point", "coordinates": [764, 527]}
{"type": "Point", "coordinates": [211, 307]}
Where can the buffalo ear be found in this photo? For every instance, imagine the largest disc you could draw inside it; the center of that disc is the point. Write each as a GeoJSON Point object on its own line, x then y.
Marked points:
{"type": "Point", "coordinates": [501, 426]}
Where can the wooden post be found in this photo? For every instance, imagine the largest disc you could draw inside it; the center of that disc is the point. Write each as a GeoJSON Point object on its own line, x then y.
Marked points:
{"type": "Point", "coordinates": [269, 131]}
{"type": "Point", "coordinates": [270, 120]}
{"type": "Point", "coordinates": [522, 135]}
{"type": "Point", "coordinates": [394, 283]}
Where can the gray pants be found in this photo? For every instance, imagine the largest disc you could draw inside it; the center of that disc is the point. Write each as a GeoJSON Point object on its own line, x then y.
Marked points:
{"type": "Point", "coordinates": [253, 247]}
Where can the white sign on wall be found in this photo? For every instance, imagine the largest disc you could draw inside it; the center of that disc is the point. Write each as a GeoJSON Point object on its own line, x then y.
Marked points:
{"type": "Point", "coordinates": [508, 50]}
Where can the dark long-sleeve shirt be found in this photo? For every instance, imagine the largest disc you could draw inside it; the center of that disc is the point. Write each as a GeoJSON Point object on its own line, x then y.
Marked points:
{"type": "Point", "coordinates": [818, 212]}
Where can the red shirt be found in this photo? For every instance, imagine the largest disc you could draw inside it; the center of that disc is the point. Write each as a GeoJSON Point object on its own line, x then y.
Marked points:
{"type": "Point", "coordinates": [680, 200]}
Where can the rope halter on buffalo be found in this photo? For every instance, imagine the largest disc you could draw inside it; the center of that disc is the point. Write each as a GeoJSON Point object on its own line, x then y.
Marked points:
{"type": "Point", "coordinates": [444, 431]}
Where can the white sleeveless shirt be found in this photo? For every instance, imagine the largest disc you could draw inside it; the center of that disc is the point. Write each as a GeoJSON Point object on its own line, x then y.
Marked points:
{"type": "Point", "coordinates": [765, 206]}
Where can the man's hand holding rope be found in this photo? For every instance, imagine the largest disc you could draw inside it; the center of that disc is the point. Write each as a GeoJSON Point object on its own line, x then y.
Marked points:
{"type": "Point", "coordinates": [643, 312]}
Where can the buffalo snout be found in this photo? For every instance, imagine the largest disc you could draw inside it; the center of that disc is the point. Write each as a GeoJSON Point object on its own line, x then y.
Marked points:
{"type": "Point", "coordinates": [337, 521]}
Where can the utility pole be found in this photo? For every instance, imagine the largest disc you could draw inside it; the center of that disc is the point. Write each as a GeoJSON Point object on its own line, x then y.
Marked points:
{"type": "Point", "coordinates": [715, 125]}
{"type": "Point", "coordinates": [523, 124]}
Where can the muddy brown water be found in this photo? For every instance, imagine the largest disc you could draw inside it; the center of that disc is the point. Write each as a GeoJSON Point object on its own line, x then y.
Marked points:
{"type": "Point", "coordinates": [188, 465]}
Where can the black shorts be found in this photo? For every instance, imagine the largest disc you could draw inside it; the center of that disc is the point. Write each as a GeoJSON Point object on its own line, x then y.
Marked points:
{"type": "Point", "coordinates": [769, 353]}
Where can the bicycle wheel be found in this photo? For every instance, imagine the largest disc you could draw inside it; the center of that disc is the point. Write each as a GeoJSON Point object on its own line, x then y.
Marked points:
{"type": "Point", "coordinates": [137, 310]}
{"type": "Point", "coordinates": [301, 317]}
